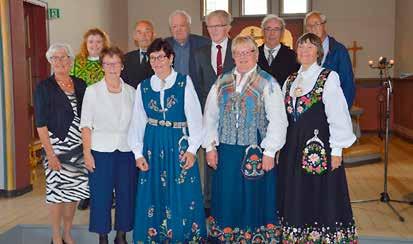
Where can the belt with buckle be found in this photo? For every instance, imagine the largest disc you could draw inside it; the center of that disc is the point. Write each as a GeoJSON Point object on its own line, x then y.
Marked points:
{"type": "Point", "coordinates": [167, 123]}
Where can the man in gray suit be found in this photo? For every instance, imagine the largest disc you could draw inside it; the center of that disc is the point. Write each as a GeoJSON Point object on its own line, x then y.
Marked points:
{"type": "Point", "coordinates": [212, 61]}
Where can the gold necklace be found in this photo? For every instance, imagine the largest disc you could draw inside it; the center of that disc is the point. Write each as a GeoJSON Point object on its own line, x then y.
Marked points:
{"type": "Point", "coordinates": [65, 84]}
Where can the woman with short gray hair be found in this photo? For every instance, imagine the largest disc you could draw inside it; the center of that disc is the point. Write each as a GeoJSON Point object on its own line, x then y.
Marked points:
{"type": "Point", "coordinates": [57, 104]}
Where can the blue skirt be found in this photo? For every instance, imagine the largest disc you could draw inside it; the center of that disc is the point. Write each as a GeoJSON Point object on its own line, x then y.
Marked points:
{"type": "Point", "coordinates": [169, 204]}
{"type": "Point", "coordinates": [243, 208]}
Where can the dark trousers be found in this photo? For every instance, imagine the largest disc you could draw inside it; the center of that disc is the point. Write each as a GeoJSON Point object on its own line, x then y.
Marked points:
{"type": "Point", "coordinates": [114, 170]}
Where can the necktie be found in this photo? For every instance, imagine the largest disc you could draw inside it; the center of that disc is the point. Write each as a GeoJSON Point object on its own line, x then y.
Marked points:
{"type": "Point", "coordinates": [144, 57]}
{"type": "Point", "coordinates": [270, 57]}
{"type": "Point", "coordinates": [219, 60]}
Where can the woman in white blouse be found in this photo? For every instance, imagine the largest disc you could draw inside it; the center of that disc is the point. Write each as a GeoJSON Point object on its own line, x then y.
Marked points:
{"type": "Point", "coordinates": [106, 115]}
{"type": "Point", "coordinates": [246, 125]}
{"type": "Point", "coordinates": [165, 133]}
{"type": "Point", "coordinates": [313, 195]}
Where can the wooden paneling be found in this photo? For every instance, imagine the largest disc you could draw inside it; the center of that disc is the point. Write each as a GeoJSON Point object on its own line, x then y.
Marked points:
{"type": "Point", "coordinates": [403, 109]}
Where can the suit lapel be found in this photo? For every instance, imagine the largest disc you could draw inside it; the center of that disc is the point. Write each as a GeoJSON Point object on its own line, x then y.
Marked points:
{"type": "Point", "coordinates": [228, 57]}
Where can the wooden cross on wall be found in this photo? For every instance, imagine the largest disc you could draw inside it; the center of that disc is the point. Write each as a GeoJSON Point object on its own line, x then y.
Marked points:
{"type": "Point", "coordinates": [354, 49]}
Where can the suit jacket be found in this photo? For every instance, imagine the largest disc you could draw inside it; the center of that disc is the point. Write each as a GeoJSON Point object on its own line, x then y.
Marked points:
{"type": "Point", "coordinates": [338, 60]}
{"type": "Point", "coordinates": [283, 65]}
{"type": "Point", "coordinates": [195, 42]}
{"type": "Point", "coordinates": [205, 73]}
{"type": "Point", "coordinates": [134, 72]}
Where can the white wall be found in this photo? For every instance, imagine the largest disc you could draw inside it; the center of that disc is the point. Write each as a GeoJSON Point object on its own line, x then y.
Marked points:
{"type": "Point", "coordinates": [404, 37]}
{"type": "Point", "coordinates": [369, 22]}
{"type": "Point", "coordinates": [158, 12]}
{"type": "Point", "coordinates": [77, 16]}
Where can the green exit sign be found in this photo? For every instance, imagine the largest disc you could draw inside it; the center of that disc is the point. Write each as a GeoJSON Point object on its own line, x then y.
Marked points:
{"type": "Point", "coordinates": [54, 13]}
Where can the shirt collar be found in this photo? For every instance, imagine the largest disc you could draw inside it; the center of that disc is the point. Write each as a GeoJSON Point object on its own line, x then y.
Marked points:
{"type": "Point", "coordinates": [169, 79]}
{"type": "Point", "coordinates": [93, 58]}
{"type": "Point", "coordinates": [276, 48]}
{"type": "Point", "coordinates": [223, 44]}
{"type": "Point", "coordinates": [310, 71]}
{"type": "Point", "coordinates": [246, 74]}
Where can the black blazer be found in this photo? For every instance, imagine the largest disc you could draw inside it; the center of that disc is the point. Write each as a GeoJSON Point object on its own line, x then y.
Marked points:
{"type": "Point", "coordinates": [206, 75]}
{"type": "Point", "coordinates": [284, 64]}
{"type": "Point", "coordinates": [133, 71]}
{"type": "Point", "coordinates": [52, 108]}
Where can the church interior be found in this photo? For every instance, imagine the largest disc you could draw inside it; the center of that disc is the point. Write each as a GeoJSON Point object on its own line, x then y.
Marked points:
{"type": "Point", "coordinates": [372, 31]}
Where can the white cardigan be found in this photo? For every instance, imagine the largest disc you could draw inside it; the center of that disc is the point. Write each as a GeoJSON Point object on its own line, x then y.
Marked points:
{"type": "Point", "coordinates": [109, 124]}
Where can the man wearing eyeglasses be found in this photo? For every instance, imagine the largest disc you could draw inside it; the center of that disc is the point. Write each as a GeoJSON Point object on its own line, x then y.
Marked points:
{"type": "Point", "coordinates": [211, 62]}
{"type": "Point", "coordinates": [274, 57]}
{"type": "Point", "coordinates": [335, 54]}
{"type": "Point", "coordinates": [137, 67]}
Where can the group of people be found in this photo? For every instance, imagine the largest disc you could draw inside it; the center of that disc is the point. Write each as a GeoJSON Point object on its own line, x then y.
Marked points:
{"type": "Point", "coordinates": [126, 130]}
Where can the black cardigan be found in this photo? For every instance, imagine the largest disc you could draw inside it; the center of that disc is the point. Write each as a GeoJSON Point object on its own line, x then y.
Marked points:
{"type": "Point", "coordinates": [52, 107]}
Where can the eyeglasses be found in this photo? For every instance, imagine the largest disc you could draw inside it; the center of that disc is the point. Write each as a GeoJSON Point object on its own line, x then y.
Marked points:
{"type": "Point", "coordinates": [57, 58]}
{"type": "Point", "coordinates": [111, 65]}
{"type": "Point", "coordinates": [277, 29]}
{"type": "Point", "coordinates": [159, 58]}
{"type": "Point", "coordinates": [243, 53]}
{"type": "Point", "coordinates": [316, 25]}
{"type": "Point", "coordinates": [215, 26]}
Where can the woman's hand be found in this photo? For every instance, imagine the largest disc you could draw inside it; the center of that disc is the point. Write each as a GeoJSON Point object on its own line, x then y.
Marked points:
{"type": "Point", "coordinates": [89, 161]}
{"type": "Point", "coordinates": [335, 162]}
{"type": "Point", "coordinates": [142, 164]}
{"type": "Point", "coordinates": [53, 162]}
{"type": "Point", "coordinates": [212, 159]}
{"type": "Point", "coordinates": [267, 163]}
{"type": "Point", "coordinates": [189, 160]}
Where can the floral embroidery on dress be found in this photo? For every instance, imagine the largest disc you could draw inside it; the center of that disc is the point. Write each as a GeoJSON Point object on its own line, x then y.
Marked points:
{"type": "Point", "coordinates": [171, 101]}
{"type": "Point", "coordinates": [269, 233]}
{"type": "Point", "coordinates": [314, 159]}
{"type": "Point", "coordinates": [252, 164]}
{"type": "Point", "coordinates": [163, 178]}
{"type": "Point", "coordinates": [166, 234]}
{"type": "Point", "coordinates": [151, 211]}
{"type": "Point", "coordinates": [306, 101]}
{"type": "Point", "coordinates": [316, 234]}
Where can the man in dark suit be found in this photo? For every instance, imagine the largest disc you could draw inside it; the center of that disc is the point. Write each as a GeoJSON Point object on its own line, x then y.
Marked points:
{"type": "Point", "coordinates": [212, 61]}
{"type": "Point", "coordinates": [136, 66]}
{"type": "Point", "coordinates": [184, 43]}
{"type": "Point", "coordinates": [274, 57]}
{"type": "Point", "coordinates": [335, 54]}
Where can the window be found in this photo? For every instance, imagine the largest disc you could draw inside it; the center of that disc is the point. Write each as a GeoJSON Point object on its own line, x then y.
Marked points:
{"type": "Point", "coordinates": [211, 5]}
{"type": "Point", "coordinates": [294, 7]}
{"type": "Point", "coordinates": [255, 7]}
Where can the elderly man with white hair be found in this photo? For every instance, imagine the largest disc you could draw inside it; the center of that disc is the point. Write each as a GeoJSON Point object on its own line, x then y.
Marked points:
{"type": "Point", "coordinates": [335, 54]}
{"type": "Point", "coordinates": [57, 106]}
{"type": "Point", "coordinates": [275, 57]}
{"type": "Point", "coordinates": [184, 43]}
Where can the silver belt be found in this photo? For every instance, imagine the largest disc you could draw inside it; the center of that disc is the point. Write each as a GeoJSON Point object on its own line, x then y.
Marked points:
{"type": "Point", "coordinates": [167, 123]}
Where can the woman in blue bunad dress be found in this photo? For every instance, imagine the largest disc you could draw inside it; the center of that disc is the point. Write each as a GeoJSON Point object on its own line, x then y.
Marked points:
{"type": "Point", "coordinates": [314, 203]}
{"type": "Point", "coordinates": [165, 133]}
{"type": "Point", "coordinates": [246, 124]}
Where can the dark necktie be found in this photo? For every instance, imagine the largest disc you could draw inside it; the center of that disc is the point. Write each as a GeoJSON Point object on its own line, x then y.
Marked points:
{"type": "Point", "coordinates": [270, 56]}
{"type": "Point", "coordinates": [219, 60]}
{"type": "Point", "coordinates": [144, 58]}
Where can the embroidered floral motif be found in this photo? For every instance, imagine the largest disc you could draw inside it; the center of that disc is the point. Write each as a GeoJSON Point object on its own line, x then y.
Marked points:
{"type": "Point", "coordinates": [181, 83]}
{"type": "Point", "coordinates": [192, 206]}
{"type": "Point", "coordinates": [269, 233]}
{"type": "Point", "coordinates": [153, 105]}
{"type": "Point", "coordinates": [161, 154]}
{"type": "Point", "coordinates": [306, 101]}
{"type": "Point", "coordinates": [168, 213]}
{"type": "Point", "coordinates": [252, 164]}
{"type": "Point", "coordinates": [314, 160]}
{"type": "Point", "coordinates": [149, 155]}
{"type": "Point", "coordinates": [151, 210]}
{"type": "Point", "coordinates": [316, 234]}
{"type": "Point", "coordinates": [171, 101]}
{"type": "Point", "coordinates": [163, 178]}
{"type": "Point", "coordinates": [143, 181]}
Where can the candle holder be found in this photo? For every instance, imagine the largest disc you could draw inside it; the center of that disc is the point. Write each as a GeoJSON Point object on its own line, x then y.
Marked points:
{"type": "Point", "coordinates": [384, 65]}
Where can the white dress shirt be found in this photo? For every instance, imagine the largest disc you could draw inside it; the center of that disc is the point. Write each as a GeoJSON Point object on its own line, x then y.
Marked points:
{"type": "Point", "coordinates": [192, 109]}
{"type": "Point", "coordinates": [214, 53]}
{"type": "Point", "coordinates": [326, 47]}
{"type": "Point", "coordinates": [274, 140]}
{"type": "Point", "coordinates": [274, 54]}
{"type": "Point", "coordinates": [338, 116]}
{"type": "Point", "coordinates": [109, 122]}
